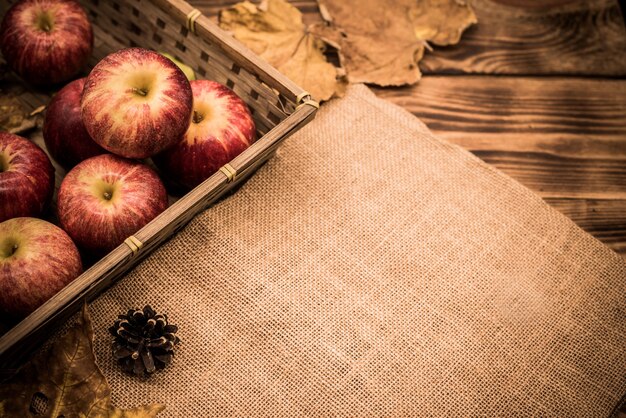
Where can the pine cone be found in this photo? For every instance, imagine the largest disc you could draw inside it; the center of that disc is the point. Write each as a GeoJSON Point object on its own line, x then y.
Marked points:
{"type": "Point", "coordinates": [144, 341]}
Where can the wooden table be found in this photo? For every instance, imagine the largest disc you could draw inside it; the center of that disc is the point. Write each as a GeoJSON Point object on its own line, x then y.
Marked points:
{"type": "Point", "coordinates": [537, 89]}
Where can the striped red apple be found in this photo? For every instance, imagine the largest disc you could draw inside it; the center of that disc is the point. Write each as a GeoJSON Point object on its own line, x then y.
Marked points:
{"type": "Point", "coordinates": [46, 41]}
{"type": "Point", "coordinates": [136, 103]}
{"type": "Point", "coordinates": [37, 259]}
{"type": "Point", "coordinates": [107, 198]}
{"type": "Point", "coordinates": [221, 128]}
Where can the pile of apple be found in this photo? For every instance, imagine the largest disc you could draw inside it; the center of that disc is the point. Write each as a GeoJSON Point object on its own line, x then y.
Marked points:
{"type": "Point", "coordinates": [135, 104]}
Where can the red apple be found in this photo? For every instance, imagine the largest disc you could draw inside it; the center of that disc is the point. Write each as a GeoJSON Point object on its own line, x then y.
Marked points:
{"type": "Point", "coordinates": [26, 177]}
{"type": "Point", "coordinates": [136, 103]}
{"type": "Point", "coordinates": [221, 128]}
{"type": "Point", "coordinates": [65, 135]}
{"type": "Point", "coordinates": [37, 259]}
{"type": "Point", "coordinates": [46, 41]}
{"type": "Point", "coordinates": [105, 199]}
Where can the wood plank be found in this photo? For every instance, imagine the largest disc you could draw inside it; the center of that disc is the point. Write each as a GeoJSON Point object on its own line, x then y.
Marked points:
{"type": "Point", "coordinates": [564, 117]}
{"type": "Point", "coordinates": [520, 37]}
{"type": "Point", "coordinates": [579, 38]}
{"type": "Point", "coordinates": [562, 177]}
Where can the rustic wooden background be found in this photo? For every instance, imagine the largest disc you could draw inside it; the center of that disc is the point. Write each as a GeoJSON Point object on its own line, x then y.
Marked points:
{"type": "Point", "coordinates": [537, 89]}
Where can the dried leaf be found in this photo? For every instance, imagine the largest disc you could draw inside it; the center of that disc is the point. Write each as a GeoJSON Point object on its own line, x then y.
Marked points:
{"type": "Point", "coordinates": [382, 41]}
{"type": "Point", "coordinates": [12, 113]}
{"type": "Point", "coordinates": [14, 116]}
{"type": "Point", "coordinates": [65, 381]}
{"type": "Point", "coordinates": [274, 31]}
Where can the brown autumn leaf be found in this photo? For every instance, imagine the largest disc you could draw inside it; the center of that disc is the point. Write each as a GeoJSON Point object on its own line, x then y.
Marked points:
{"type": "Point", "coordinates": [12, 113]}
{"type": "Point", "coordinates": [65, 381]}
{"type": "Point", "coordinates": [381, 42]}
{"type": "Point", "coordinates": [13, 116]}
{"type": "Point", "coordinates": [274, 31]}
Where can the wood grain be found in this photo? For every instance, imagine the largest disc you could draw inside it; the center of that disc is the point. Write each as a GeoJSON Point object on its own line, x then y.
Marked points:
{"type": "Point", "coordinates": [552, 176]}
{"type": "Point", "coordinates": [570, 117]}
{"type": "Point", "coordinates": [566, 117]}
{"type": "Point", "coordinates": [565, 138]}
{"type": "Point", "coordinates": [580, 38]}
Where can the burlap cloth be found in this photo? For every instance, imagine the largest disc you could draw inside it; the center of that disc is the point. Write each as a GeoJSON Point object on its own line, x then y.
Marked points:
{"type": "Point", "coordinates": [373, 270]}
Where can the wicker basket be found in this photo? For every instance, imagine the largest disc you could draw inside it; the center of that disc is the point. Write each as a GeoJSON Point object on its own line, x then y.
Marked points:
{"type": "Point", "coordinates": [279, 108]}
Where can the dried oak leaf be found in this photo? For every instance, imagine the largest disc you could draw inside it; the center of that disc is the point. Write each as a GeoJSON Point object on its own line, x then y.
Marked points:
{"type": "Point", "coordinates": [274, 31]}
{"type": "Point", "coordinates": [381, 42]}
{"type": "Point", "coordinates": [65, 381]}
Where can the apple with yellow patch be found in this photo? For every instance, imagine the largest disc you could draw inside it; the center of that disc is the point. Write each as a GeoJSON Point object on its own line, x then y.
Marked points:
{"type": "Point", "coordinates": [105, 199]}
{"type": "Point", "coordinates": [136, 103]}
{"type": "Point", "coordinates": [37, 259]}
{"type": "Point", "coordinates": [221, 128]}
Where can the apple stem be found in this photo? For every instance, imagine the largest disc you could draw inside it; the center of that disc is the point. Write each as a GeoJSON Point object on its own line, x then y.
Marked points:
{"type": "Point", "coordinates": [108, 195]}
{"type": "Point", "coordinates": [197, 117]}
{"type": "Point", "coordinates": [141, 92]}
{"type": "Point", "coordinates": [14, 249]}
